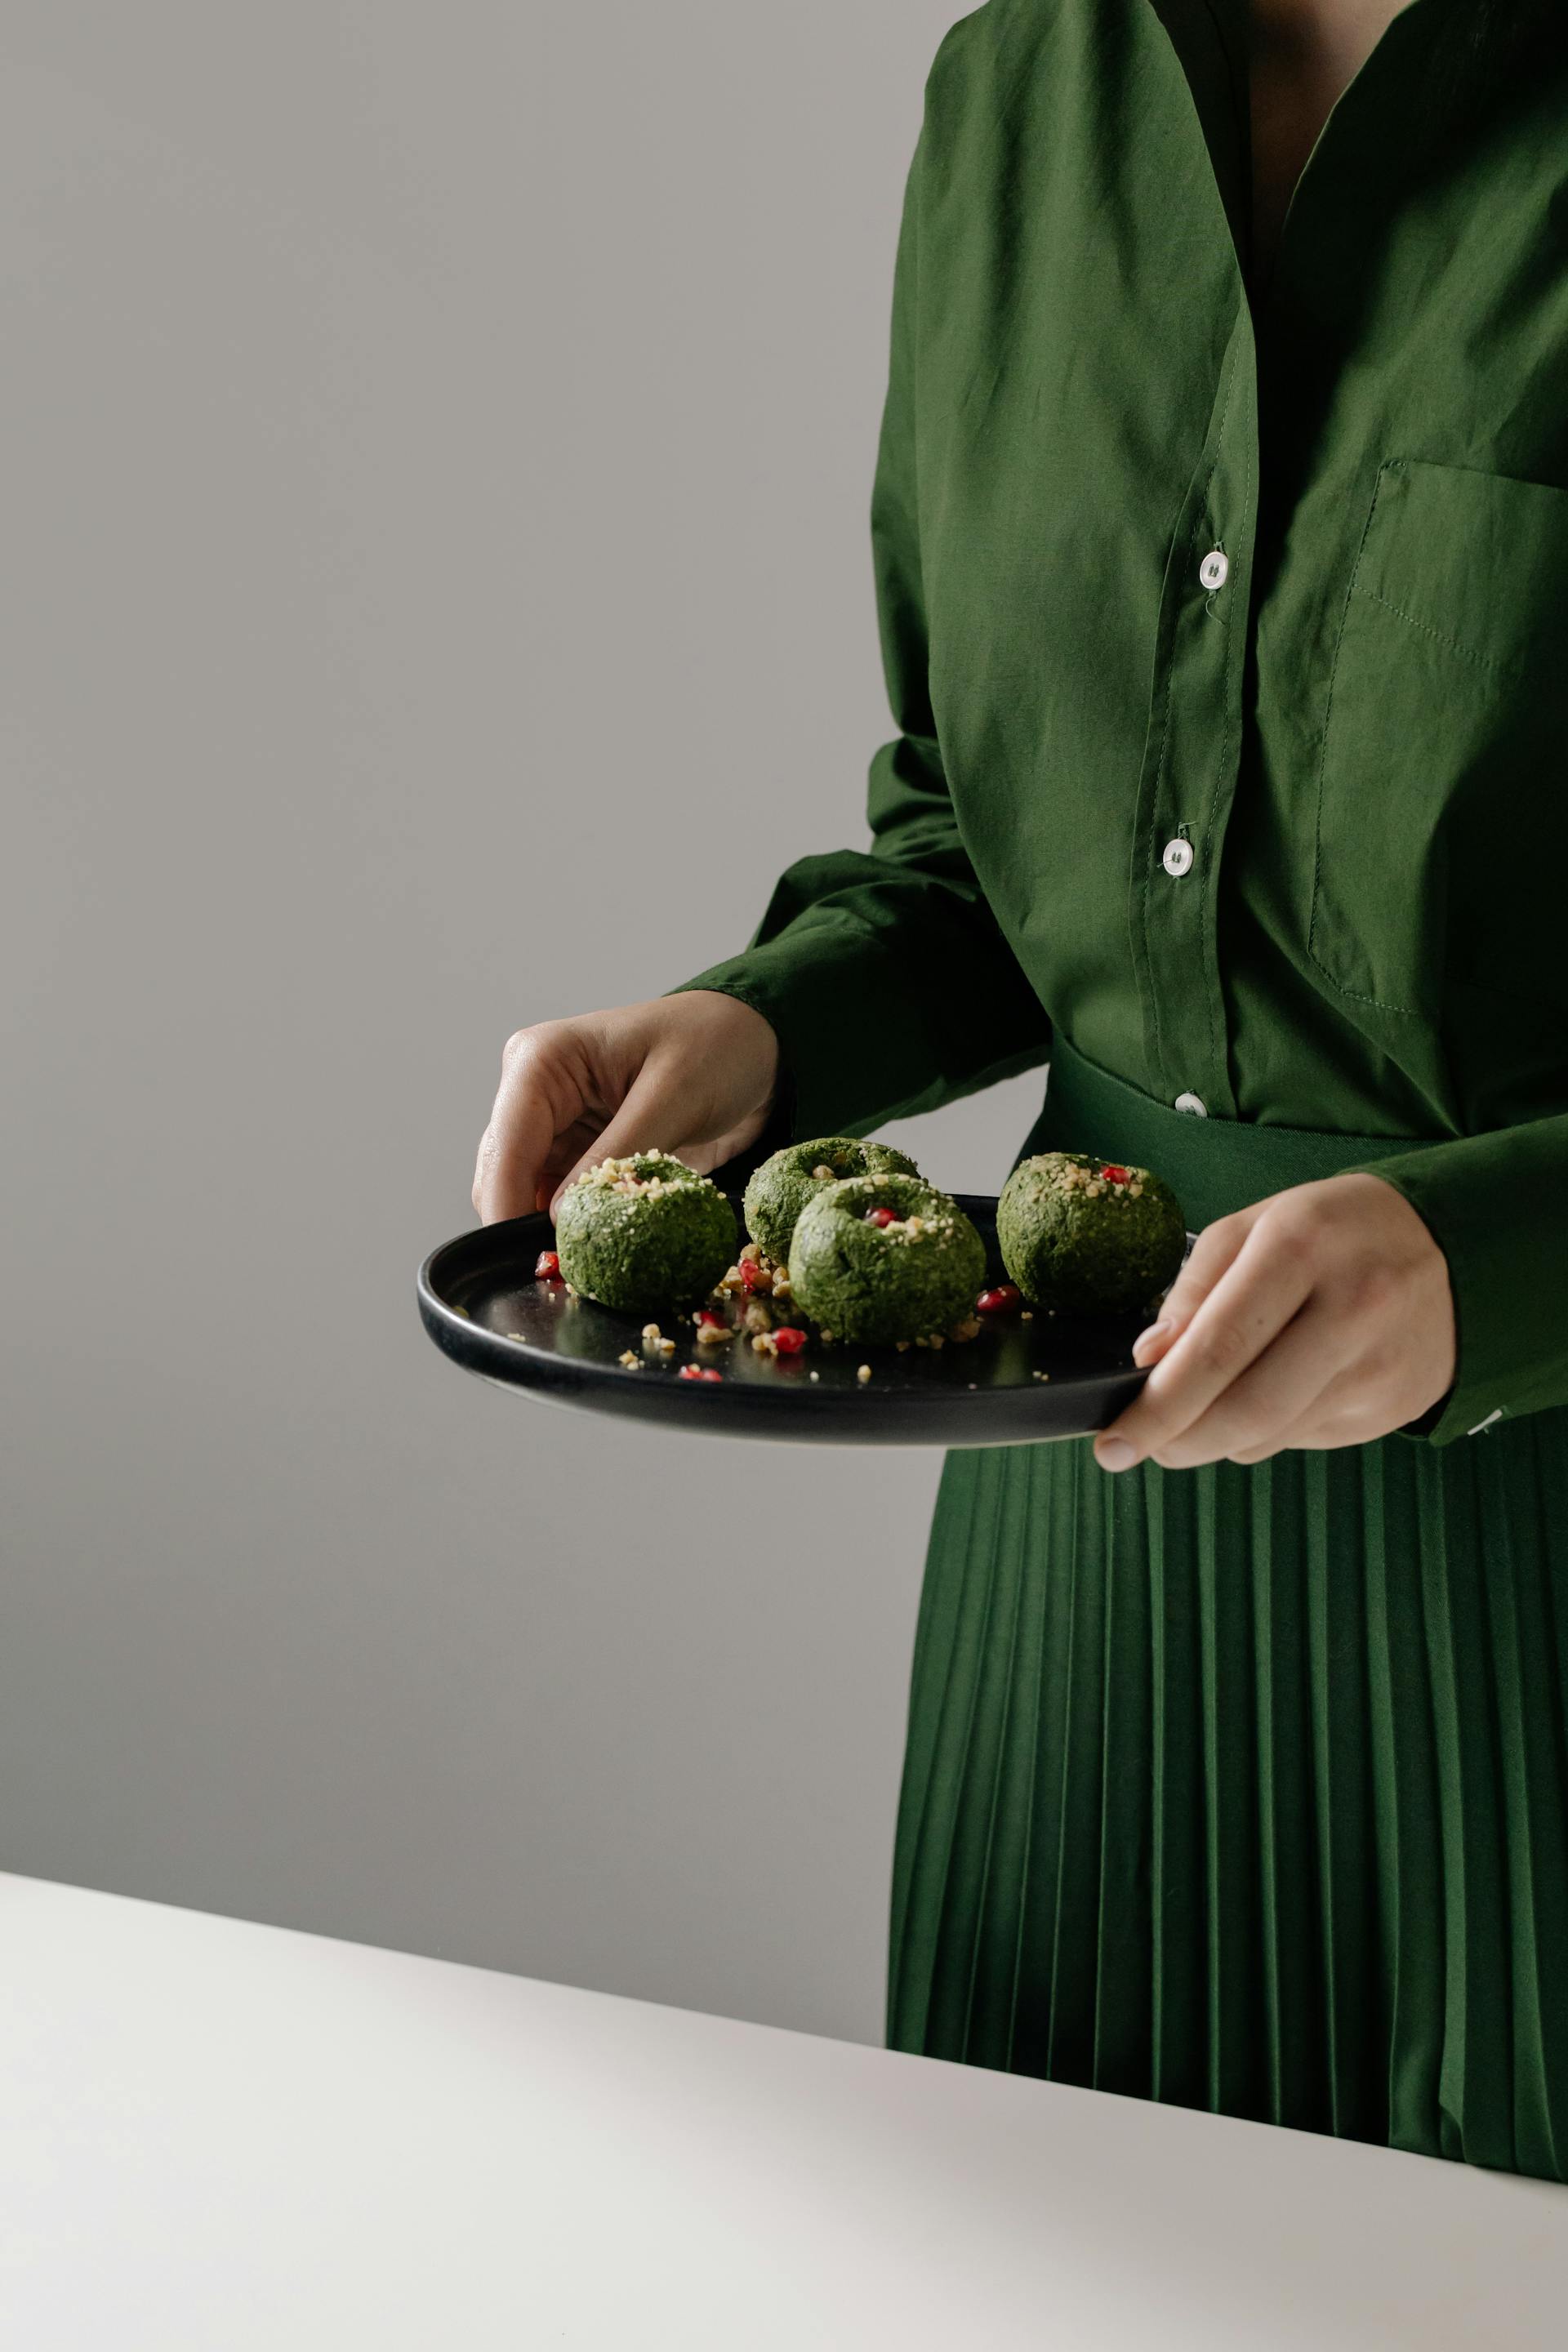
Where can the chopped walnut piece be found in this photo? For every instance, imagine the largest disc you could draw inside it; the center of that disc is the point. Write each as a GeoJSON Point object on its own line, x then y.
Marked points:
{"type": "Point", "coordinates": [864, 1374]}
{"type": "Point", "coordinates": [633, 1364]}
{"type": "Point", "coordinates": [751, 1253]}
{"type": "Point", "coordinates": [825, 1174]}
{"type": "Point", "coordinates": [651, 1332]}
{"type": "Point", "coordinates": [759, 1318]}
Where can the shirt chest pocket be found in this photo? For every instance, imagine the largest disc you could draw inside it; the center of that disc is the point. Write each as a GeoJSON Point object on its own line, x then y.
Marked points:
{"type": "Point", "coordinates": [1442, 800]}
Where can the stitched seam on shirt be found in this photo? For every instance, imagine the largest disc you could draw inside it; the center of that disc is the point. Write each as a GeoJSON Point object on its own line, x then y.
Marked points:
{"type": "Point", "coordinates": [1442, 636]}
{"type": "Point", "coordinates": [1211, 879]}
{"type": "Point", "coordinates": [1137, 883]}
{"type": "Point", "coordinates": [1356, 996]}
{"type": "Point", "coordinates": [1153, 811]}
{"type": "Point", "coordinates": [1197, 524]}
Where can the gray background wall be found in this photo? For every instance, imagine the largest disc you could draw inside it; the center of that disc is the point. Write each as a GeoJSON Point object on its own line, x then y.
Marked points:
{"type": "Point", "coordinates": [437, 595]}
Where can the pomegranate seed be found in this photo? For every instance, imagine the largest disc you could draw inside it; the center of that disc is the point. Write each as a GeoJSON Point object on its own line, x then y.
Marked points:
{"type": "Point", "coordinates": [707, 1319]}
{"type": "Point", "coordinates": [1113, 1175]}
{"type": "Point", "coordinates": [881, 1216]}
{"type": "Point", "coordinates": [548, 1267]}
{"type": "Point", "coordinates": [1005, 1296]}
{"type": "Point", "coordinates": [788, 1339]}
{"type": "Point", "coordinates": [699, 1372]}
{"type": "Point", "coordinates": [751, 1274]}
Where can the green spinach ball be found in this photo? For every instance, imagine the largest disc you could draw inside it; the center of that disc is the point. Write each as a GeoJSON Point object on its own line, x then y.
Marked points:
{"type": "Point", "coordinates": [882, 1259]}
{"type": "Point", "coordinates": [1084, 1235]}
{"type": "Point", "coordinates": [781, 1186]}
{"type": "Point", "coordinates": [644, 1232]}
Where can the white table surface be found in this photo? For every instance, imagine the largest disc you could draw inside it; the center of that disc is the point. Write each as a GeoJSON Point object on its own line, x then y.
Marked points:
{"type": "Point", "coordinates": [219, 2136]}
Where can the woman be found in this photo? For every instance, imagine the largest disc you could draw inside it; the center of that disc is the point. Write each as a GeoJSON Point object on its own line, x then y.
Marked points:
{"type": "Point", "coordinates": [1222, 566]}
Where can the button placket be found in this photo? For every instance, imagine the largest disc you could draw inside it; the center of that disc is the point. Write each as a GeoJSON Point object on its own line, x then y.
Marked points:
{"type": "Point", "coordinates": [1203, 729]}
{"type": "Point", "coordinates": [1214, 741]}
{"type": "Point", "coordinates": [1192, 754]}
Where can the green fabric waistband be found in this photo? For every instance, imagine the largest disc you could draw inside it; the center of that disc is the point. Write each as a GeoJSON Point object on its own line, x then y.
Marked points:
{"type": "Point", "coordinates": [1213, 1165]}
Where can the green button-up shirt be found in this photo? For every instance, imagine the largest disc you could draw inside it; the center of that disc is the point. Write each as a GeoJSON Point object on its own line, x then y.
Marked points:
{"type": "Point", "coordinates": [1225, 627]}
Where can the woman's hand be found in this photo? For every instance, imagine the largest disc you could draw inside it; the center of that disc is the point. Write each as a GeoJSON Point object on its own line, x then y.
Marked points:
{"type": "Point", "coordinates": [1321, 1317]}
{"type": "Point", "coordinates": [692, 1074]}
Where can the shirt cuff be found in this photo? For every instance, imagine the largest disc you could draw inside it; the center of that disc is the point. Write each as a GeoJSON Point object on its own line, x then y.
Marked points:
{"type": "Point", "coordinates": [801, 990]}
{"type": "Point", "coordinates": [1493, 1203]}
{"type": "Point", "coordinates": [858, 1045]}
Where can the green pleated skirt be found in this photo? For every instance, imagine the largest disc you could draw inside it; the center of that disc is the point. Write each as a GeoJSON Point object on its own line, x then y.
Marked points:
{"type": "Point", "coordinates": [1245, 1787]}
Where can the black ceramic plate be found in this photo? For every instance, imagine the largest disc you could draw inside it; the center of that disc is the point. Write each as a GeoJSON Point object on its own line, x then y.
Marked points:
{"type": "Point", "coordinates": [1021, 1381]}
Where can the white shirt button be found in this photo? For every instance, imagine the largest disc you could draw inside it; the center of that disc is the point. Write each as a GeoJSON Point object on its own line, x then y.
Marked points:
{"type": "Point", "coordinates": [1214, 569]}
{"type": "Point", "coordinates": [1195, 1103]}
{"type": "Point", "coordinates": [1178, 856]}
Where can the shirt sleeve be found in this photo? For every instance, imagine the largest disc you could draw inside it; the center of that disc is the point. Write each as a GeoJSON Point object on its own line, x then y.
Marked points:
{"type": "Point", "coordinates": [1494, 1205]}
{"type": "Point", "coordinates": [885, 973]}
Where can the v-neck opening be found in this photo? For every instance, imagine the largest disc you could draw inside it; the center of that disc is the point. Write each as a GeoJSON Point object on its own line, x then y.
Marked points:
{"type": "Point", "coordinates": [1228, 18]}
{"type": "Point", "coordinates": [1259, 296]}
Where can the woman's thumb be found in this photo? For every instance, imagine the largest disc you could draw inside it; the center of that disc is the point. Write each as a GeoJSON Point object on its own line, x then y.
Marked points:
{"type": "Point", "coordinates": [645, 1121]}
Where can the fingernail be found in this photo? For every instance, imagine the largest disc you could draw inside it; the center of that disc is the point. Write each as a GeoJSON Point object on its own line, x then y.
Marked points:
{"type": "Point", "coordinates": [1147, 1338]}
{"type": "Point", "coordinates": [1115, 1453]}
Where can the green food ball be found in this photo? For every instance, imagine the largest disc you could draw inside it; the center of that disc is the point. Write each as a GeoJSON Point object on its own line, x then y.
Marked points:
{"type": "Point", "coordinates": [1078, 1238]}
{"type": "Point", "coordinates": [876, 1281]}
{"type": "Point", "coordinates": [644, 1232]}
{"type": "Point", "coordinates": [781, 1186]}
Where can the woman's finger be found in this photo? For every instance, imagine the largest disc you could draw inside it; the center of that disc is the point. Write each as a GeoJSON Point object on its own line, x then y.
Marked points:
{"type": "Point", "coordinates": [531, 1109]}
{"type": "Point", "coordinates": [1281, 1389]}
{"type": "Point", "coordinates": [1152, 1342]}
{"type": "Point", "coordinates": [1252, 1301]}
{"type": "Point", "coordinates": [1347, 1413]}
{"type": "Point", "coordinates": [1211, 1256]}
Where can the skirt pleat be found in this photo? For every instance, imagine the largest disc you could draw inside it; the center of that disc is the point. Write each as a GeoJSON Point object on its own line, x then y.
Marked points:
{"type": "Point", "coordinates": [1247, 1788]}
